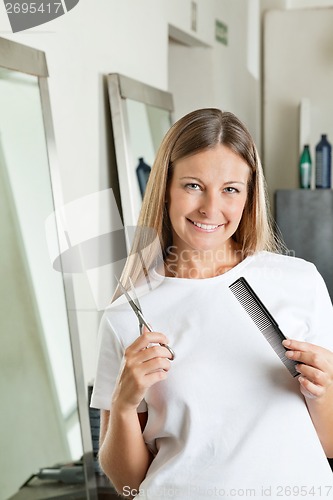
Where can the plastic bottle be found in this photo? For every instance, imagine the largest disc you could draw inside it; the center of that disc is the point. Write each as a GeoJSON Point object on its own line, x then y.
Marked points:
{"type": "Point", "coordinates": [323, 163]}
{"type": "Point", "coordinates": [305, 168]}
{"type": "Point", "coordinates": [142, 172]}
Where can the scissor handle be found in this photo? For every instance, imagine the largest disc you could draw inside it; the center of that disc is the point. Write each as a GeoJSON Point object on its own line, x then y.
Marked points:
{"type": "Point", "coordinates": [143, 322]}
{"type": "Point", "coordinates": [171, 351]}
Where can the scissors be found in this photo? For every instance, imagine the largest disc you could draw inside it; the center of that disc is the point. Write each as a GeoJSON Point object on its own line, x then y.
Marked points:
{"type": "Point", "coordinates": [136, 307]}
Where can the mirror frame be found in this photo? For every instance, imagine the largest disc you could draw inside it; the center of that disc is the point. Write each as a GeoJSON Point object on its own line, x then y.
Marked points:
{"type": "Point", "coordinates": [18, 57]}
{"type": "Point", "coordinates": [120, 88]}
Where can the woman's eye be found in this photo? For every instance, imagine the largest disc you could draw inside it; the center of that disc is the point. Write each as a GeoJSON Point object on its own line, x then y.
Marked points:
{"type": "Point", "coordinates": [193, 186]}
{"type": "Point", "coordinates": [231, 190]}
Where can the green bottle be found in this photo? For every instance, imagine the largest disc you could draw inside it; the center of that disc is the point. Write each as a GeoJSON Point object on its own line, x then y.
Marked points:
{"type": "Point", "coordinates": [305, 168]}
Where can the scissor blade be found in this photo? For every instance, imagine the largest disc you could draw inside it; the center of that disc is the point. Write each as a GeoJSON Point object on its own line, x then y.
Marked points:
{"type": "Point", "coordinates": [134, 295]}
{"type": "Point", "coordinates": [135, 308]}
{"type": "Point", "coordinates": [128, 297]}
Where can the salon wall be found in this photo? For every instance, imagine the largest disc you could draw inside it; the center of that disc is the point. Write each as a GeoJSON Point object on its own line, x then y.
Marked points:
{"type": "Point", "coordinates": [303, 4]}
{"type": "Point", "coordinates": [225, 76]}
{"type": "Point", "coordinates": [131, 37]}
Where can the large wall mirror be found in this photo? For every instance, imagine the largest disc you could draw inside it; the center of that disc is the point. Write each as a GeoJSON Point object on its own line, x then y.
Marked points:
{"type": "Point", "coordinates": [39, 418]}
{"type": "Point", "coordinates": [141, 115]}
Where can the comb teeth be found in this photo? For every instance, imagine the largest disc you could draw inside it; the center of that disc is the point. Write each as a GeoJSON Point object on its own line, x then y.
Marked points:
{"type": "Point", "coordinates": [250, 305]}
{"type": "Point", "coordinates": [263, 320]}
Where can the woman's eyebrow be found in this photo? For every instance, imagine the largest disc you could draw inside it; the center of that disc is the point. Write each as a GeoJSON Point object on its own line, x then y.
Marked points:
{"type": "Point", "coordinates": [200, 180]}
{"type": "Point", "coordinates": [192, 178]}
{"type": "Point", "coordinates": [235, 182]}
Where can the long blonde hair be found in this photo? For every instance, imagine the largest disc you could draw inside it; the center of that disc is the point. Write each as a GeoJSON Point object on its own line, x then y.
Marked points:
{"type": "Point", "coordinates": [199, 130]}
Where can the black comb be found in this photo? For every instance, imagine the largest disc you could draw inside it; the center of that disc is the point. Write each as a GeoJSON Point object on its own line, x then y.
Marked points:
{"type": "Point", "coordinates": [263, 319]}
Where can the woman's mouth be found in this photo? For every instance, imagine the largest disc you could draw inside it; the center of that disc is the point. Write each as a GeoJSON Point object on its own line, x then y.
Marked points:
{"type": "Point", "coordinates": [205, 227]}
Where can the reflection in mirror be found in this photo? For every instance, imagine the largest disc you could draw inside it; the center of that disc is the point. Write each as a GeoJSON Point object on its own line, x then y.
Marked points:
{"type": "Point", "coordinates": [39, 418]}
{"type": "Point", "coordinates": [141, 116]}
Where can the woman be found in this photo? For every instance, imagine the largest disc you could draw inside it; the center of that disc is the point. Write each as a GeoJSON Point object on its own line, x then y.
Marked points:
{"type": "Point", "coordinates": [225, 417]}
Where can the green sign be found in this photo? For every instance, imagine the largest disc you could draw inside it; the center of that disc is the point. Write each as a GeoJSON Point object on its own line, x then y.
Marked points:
{"type": "Point", "coordinates": [221, 32]}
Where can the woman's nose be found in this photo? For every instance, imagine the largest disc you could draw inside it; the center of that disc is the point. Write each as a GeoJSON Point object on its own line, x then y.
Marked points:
{"type": "Point", "coordinates": [210, 205]}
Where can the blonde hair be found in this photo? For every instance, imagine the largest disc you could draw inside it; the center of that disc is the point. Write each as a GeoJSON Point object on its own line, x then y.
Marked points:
{"type": "Point", "coordinates": [199, 130]}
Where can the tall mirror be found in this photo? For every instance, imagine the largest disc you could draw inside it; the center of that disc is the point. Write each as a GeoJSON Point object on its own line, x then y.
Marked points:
{"type": "Point", "coordinates": [39, 423]}
{"type": "Point", "coordinates": [141, 115]}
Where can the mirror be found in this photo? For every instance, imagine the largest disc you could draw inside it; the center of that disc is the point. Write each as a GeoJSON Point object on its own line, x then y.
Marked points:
{"type": "Point", "coordinates": [39, 419]}
{"type": "Point", "coordinates": [141, 116]}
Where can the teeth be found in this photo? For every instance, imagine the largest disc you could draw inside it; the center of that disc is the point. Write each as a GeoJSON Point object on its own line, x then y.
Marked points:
{"type": "Point", "coordinates": [205, 226]}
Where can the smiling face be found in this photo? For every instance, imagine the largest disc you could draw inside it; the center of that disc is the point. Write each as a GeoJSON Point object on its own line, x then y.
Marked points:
{"type": "Point", "coordinates": [206, 199]}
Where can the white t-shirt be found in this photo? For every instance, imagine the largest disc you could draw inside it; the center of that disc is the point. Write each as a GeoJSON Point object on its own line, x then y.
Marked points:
{"type": "Point", "coordinates": [229, 421]}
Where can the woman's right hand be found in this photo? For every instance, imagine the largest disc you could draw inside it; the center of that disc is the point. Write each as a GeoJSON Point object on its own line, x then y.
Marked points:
{"type": "Point", "coordinates": [142, 367]}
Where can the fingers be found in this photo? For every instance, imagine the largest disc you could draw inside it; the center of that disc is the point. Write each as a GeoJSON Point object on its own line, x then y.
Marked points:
{"type": "Point", "coordinates": [151, 339]}
{"type": "Point", "coordinates": [313, 382]}
{"type": "Point", "coordinates": [156, 364]}
{"type": "Point", "coordinates": [147, 338]}
{"type": "Point", "coordinates": [309, 358]}
{"type": "Point", "coordinates": [315, 365]}
{"type": "Point", "coordinates": [143, 358]}
{"type": "Point", "coordinates": [155, 351]}
{"type": "Point", "coordinates": [134, 380]}
{"type": "Point", "coordinates": [309, 354]}
{"type": "Point", "coordinates": [298, 345]}
{"type": "Point", "coordinates": [141, 369]}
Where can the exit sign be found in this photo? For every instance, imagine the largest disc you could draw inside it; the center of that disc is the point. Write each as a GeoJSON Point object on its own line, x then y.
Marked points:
{"type": "Point", "coordinates": [221, 32]}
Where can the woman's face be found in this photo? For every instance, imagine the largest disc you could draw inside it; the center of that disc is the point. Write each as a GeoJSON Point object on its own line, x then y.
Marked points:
{"type": "Point", "coordinates": [206, 198]}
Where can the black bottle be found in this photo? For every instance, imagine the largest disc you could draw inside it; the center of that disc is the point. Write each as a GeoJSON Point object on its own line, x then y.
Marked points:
{"type": "Point", "coordinates": [323, 163]}
{"type": "Point", "coordinates": [142, 172]}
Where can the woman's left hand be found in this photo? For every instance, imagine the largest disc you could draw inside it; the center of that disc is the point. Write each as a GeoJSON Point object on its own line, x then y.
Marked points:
{"type": "Point", "coordinates": [315, 368]}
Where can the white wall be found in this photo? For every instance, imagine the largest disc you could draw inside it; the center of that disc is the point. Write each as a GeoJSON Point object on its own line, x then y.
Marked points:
{"type": "Point", "coordinates": [225, 76]}
{"type": "Point", "coordinates": [303, 4]}
{"type": "Point", "coordinates": [218, 75]}
{"type": "Point", "coordinates": [296, 66]}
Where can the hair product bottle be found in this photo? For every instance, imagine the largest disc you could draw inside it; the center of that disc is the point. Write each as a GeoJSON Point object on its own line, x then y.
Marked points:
{"type": "Point", "coordinates": [323, 163]}
{"type": "Point", "coordinates": [305, 168]}
{"type": "Point", "coordinates": [142, 172]}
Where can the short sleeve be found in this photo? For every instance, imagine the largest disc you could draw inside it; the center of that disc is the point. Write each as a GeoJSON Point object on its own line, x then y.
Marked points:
{"type": "Point", "coordinates": [322, 325]}
{"type": "Point", "coordinates": [109, 363]}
